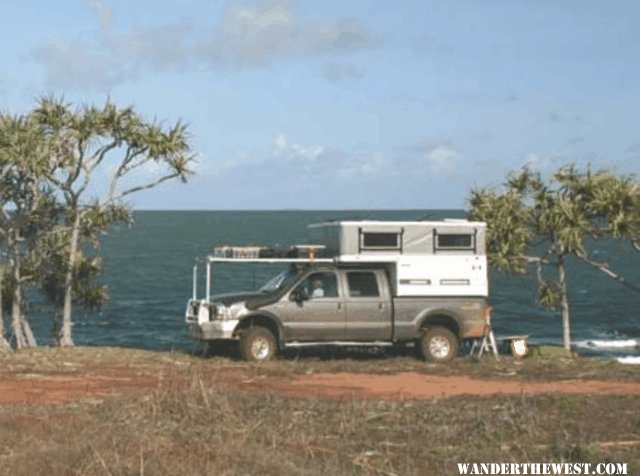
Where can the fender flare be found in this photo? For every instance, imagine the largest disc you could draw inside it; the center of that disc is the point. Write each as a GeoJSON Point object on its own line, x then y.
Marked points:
{"type": "Point", "coordinates": [263, 315]}
{"type": "Point", "coordinates": [439, 313]}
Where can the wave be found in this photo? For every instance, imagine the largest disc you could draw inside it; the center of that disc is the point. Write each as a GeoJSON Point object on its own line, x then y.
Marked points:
{"type": "Point", "coordinates": [609, 344]}
{"type": "Point", "coordinates": [629, 359]}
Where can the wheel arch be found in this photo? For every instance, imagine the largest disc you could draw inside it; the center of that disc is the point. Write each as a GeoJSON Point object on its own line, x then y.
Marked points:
{"type": "Point", "coordinates": [262, 319]}
{"type": "Point", "coordinates": [440, 317]}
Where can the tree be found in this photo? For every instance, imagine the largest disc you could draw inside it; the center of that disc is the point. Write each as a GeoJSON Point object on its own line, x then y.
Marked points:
{"type": "Point", "coordinates": [87, 292]}
{"type": "Point", "coordinates": [89, 145]}
{"type": "Point", "coordinates": [542, 223]}
{"type": "Point", "coordinates": [27, 212]}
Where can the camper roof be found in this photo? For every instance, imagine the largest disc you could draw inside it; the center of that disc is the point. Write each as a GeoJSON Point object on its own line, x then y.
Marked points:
{"type": "Point", "coordinates": [454, 222]}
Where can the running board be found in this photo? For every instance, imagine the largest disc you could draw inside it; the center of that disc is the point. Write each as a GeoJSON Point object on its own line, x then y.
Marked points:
{"type": "Point", "coordinates": [341, 343]}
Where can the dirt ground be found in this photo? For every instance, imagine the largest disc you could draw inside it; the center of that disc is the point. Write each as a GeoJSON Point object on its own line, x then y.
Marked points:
{"type": "Point", "coordinates": [97, 410]}
{"type": "Point", "coordinates": [98, 382]}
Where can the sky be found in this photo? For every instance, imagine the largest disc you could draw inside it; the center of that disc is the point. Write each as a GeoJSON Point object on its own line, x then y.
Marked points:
{"type": "Point", "coordinates": [344, 105]}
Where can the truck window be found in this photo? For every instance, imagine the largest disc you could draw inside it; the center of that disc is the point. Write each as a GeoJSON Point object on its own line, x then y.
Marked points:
{"type": "Point", "coordinates": [320, 285]}
{"type": "Point", "coordinates": [363, 284]}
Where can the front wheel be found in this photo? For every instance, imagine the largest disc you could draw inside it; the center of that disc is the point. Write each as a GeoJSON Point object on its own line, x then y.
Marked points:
{"type": "Point", "coordinates": [438, 344]}
{"type": "Point", "coordinates": [257, 344]}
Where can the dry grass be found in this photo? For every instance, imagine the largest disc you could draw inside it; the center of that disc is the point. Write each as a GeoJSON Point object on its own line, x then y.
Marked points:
{"type": "Point", "coordinates": [191, 425]}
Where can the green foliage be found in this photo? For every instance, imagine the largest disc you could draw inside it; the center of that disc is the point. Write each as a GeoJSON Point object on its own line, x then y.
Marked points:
{"type": "Point", "coordinates": [539, 222]}
{"type": "Point", "coordinates": [508, 235]}
{"type": "Point", "coordinates": [549, 294]}
{"type": "Point", "coordinates": [571, 208]}
{"type": "Point", "coordinates": [49, 159]}
{"type": "Point", "coordinates": [86, 137]}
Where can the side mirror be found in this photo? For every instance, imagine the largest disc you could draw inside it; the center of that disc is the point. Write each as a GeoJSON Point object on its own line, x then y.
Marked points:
{"type": "Point", "coordinates": [298, 295]}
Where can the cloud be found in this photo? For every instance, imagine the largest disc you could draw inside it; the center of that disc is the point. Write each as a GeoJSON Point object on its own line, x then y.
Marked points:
{"type": "Point", "coordinates": [441, 158]}
{"type": "Point", "coordinates": [265, 33]}
{"type": "Point", "coordinates": [337, 37]}
{"type": "Point", "coordinates": [295, 175]}
{"type": "Point", "coordinates": [312, 163]}
{"type": "Point", "coordinates": [76, 66]}
{"type": "Point", "coordinates": [104, 13]}
{"type": "Point", "coordinates": [335, 71]}
{"type": "Point", "coordinates": [251, 36]}
{"type": "Point", "coordinates": [315, 175]}
{"type": "Point", "coordinates": [284, 149]}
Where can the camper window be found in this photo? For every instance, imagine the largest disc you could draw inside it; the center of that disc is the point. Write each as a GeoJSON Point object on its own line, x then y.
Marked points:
{"type": "Point", "coordinates": [377, 241]}
{"type": "Point", "coordinates": [454, 242]}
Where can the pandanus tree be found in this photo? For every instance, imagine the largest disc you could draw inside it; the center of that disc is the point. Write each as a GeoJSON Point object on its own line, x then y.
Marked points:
{"type": "Point", "coordinates": [87, 290]}
{"type": "Point", "coordinates": [542, 223]}
{"type": "Point", "coordinates": [28, 212]}
{"type": "Point", "coordinates": [91, 145]}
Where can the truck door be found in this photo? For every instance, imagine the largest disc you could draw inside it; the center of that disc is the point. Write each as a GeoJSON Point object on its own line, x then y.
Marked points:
{"type": "Point", "coordinates": [368, 306]}
{"type": "Point", "coordinates": [314, 309]}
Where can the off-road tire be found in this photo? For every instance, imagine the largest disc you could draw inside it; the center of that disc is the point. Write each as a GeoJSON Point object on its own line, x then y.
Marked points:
{"type": "Point", "coordinates": [258, 344]}
{"type": "Point", "coordinates": [438, 344]}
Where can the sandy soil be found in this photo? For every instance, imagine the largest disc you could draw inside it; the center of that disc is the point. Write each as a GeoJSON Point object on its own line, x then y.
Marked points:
{"type": "Point", "coordinates": [104, 381]}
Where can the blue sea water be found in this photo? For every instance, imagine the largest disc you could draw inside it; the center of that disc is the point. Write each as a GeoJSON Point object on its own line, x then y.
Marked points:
{"type": "Point", "coordinates": [148, 269]}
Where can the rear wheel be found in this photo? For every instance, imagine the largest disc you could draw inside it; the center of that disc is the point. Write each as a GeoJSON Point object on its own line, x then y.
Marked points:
{"type": "Point", "coordinates": [258, 344]}
{"type": "Point", "coordinates": [438, 344]}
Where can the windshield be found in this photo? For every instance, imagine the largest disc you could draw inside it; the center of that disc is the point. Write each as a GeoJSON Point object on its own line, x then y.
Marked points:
{"type": "Point", "coordinates": [281, 280]}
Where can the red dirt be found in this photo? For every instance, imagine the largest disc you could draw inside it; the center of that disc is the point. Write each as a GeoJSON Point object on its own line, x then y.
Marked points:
{"type": "Point", "coordinates": [425, 386]}
{"type": "Point", "coordinates": [58, 388]}
{"type": "Point", "coordinates": [37, 388]}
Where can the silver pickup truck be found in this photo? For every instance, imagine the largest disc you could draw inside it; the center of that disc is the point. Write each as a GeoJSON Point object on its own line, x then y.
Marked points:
{"type": "Point", "coordinates": [336, 304]}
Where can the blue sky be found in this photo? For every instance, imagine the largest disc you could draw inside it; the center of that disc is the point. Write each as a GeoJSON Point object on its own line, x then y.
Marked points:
{"type": "Point", "coordinates": [335, 104]}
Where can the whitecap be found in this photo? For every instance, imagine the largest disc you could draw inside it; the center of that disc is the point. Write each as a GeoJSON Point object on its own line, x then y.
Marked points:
{"type": "Point", "coordinates": [609, 344]}
{"type": "Point", "coordinates": [629, 359]}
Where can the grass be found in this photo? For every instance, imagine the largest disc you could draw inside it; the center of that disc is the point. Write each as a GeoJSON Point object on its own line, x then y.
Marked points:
{"type": "Point", "coordinates": [191, 424]}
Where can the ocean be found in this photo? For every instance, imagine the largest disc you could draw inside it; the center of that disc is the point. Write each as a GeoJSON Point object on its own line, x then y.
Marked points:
{"type": "Point", "coordinates": [148, 269]}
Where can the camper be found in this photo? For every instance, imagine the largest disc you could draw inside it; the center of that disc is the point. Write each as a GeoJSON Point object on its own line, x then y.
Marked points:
{"type": "Point", "coordinates": [361, 283]}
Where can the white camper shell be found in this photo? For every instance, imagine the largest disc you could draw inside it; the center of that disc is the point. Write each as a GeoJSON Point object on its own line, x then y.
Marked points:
{"type": "Point", "coordinates": [426, 258]}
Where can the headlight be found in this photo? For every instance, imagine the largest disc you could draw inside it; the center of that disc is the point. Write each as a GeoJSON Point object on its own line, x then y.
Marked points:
{"type": "Point", "coordinates": [234, 311]}
{"type": "Point", "coordinates": [223, 312]}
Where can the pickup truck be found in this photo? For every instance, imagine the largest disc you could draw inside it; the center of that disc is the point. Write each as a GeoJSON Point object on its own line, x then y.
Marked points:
{"type": "Point", "coordinates": [336, 304]}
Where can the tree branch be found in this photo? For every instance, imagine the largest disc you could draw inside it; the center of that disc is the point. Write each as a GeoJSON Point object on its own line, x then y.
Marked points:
{"type": "Point", "coordinates": [145, 187]}
{"type": "Point", "coordinates": [100, 154]}
{"type": "Point", "coordinates": [122, 169]}
{"type": "Point", "coordinates": [606, 270]}
{"type": "Point", "coordinates": [72, 177]}
{"type": "Point", "coordinates": [130, 165]}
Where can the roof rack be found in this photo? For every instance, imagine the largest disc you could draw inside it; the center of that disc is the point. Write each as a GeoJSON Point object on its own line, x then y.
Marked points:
{"type": "Point", "coordinates": [215, 259]}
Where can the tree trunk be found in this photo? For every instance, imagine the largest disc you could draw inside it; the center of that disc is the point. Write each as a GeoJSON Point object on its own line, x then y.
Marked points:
{"type": "Point", "coordinates": [16, 302]}
{"type": "Point", "coordinates": [64, 337]}
{"type": "Point", "coordinates": [28, 333]}
{"type": "Point", "coordinates": [16, 318]}
{"type": "Point", "coordinates": [56, 327]}
{"type": "Point", "coordinates": [564, 303]}
{"type": "Point", "coordinates": [4, 344]}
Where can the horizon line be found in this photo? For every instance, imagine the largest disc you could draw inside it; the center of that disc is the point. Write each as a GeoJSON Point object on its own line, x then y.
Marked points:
{"type": "Point", "coordinates": [290, 209]}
